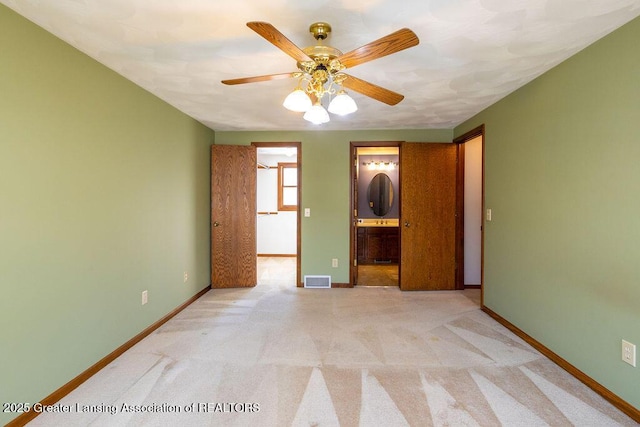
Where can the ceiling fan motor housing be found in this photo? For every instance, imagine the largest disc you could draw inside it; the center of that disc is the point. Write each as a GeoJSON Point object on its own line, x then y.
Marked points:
{"type": "Point", "coordinates": [322, 55]}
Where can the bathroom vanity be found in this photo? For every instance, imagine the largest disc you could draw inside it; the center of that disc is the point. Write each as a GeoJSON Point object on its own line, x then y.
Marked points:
{"type": "Point", "coordinates": [378, 241]}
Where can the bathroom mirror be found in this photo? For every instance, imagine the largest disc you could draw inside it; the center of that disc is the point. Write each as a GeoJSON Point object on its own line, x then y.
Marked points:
{"type": "Point", "coordinates": [380, 194]}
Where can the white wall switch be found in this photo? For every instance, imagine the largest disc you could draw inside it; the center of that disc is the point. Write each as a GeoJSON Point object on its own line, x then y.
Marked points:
{"type": "Point", "coordinates": [145, 297]}
{"type": "Point", "coordinates": [186, 277]}
{"type": "Point", "coordinates": [629, 353]}
{"type": "Point", "coordinates": [488, 214]}
{"type": "Point", "coordinates": [307, 212]}
{"type": "Point", "coordinates": [334, 263]}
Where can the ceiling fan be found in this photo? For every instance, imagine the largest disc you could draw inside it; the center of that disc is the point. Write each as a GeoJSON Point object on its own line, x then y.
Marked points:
{"type": "Point", "coordinates": [321, 69]}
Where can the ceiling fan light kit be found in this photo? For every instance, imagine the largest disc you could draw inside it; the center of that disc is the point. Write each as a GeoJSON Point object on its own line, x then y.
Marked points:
{"type": "Point", "coordinates": [342, 104]}
{"type": "Point", "coordinates": [321, 71]}
{"type": "Point", "coordinates": [316, 114]}
{"type": "Point", "coordinates": [297, 101]}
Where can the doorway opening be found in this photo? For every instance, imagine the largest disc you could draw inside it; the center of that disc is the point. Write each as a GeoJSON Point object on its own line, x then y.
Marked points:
{"type": "Point", "coordinates": [469, 227]}
{"type": "Point", "coordinates": [431, 239]}
{"type": "Point", "coordinates": [278, 217]}
{"type": "Point", "coordinates": [375, 192]}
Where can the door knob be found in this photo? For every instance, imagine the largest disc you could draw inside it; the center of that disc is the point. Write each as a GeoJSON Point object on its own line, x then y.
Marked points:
{"type": "Point", "coordinates": [216, 224]}
{"type": "Point", "coordinates": [406, 224]}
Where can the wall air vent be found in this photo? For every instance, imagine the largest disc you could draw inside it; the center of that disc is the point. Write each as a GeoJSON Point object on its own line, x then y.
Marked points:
{"type": "Point", "coordinates": [317, 282]}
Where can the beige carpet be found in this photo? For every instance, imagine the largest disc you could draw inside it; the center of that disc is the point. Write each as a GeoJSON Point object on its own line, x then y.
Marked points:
{"type": "Point", "coordinates": [276, 355]}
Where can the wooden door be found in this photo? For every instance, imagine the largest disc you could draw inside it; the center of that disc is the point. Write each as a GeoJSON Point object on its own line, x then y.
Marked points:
{"type": "Point", "coordinates": [357, 239]}
{"type": "Point", "coordinates": [233, 216]}
{"type": "Point", "coordinates": [427, 216]}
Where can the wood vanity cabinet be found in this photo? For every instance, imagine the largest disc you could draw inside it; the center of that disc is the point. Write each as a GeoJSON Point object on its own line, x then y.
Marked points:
{"type": "Point", "coordinates": [378, 245]}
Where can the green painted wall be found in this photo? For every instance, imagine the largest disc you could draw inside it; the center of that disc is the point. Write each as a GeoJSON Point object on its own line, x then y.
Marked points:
{"type": "Point", "coordinates": [325, 187]}
{"type": "Point", "coordinates": [104, 192]}
{"type": "Point", "coordinates": [562, 253]}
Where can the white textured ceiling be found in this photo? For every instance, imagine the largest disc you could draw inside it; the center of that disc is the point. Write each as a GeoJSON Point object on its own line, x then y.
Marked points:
{"type": "Point", "coordinates": [471, 52]}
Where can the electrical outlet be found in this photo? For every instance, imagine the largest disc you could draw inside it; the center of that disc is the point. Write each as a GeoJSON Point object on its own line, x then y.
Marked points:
{"type": "Point", "coordinates": [186, 277]}
{"type": "Point", "coordinates": [334, 263]}
{"type": "Point", "coordinates": [145, 297]}
{"type": "Point", "coordinates": [629, 353]}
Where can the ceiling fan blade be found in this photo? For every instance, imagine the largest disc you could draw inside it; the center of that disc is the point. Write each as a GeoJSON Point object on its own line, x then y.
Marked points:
{"type": "Point", "coordinates": [369, 89]}
{"type": "Point", "coordinates": [392, 43]}
{"type": "Point", "coordinates": [258, 79]}
{"type": "Point", "coordinates": [272, 35]}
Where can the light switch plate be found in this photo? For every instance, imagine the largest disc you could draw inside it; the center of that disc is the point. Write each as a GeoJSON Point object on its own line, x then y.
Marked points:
{"type": "Point", "coordinates": [307, 212]}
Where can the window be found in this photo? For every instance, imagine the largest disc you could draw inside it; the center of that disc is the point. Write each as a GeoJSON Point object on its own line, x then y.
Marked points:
{"type": "Point", "coordinates": [287, 186]}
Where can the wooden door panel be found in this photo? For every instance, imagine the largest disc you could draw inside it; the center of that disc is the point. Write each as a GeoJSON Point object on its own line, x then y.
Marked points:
{"type": "Point", "coordinates": [427, 216]}
{"type": "Point", "coordinates": [233, 216]}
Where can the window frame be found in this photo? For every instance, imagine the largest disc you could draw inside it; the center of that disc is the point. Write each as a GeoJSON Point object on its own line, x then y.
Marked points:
{"type": "Point", "coordinates": [281, 167]}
